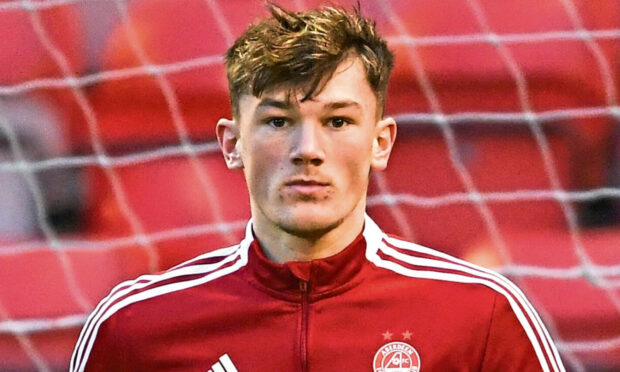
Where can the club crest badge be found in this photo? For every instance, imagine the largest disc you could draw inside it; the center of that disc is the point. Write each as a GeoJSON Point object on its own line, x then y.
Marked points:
{"type": "Point", "coordinates": [396, 357]}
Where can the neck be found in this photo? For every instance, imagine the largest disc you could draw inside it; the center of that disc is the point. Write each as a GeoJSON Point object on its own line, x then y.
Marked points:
{"type": "Point", "coordinates": [281, 246]}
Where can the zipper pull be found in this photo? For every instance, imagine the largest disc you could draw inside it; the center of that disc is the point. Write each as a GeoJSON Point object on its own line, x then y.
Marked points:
{"type": "Point", "coordinates": [303, 286]}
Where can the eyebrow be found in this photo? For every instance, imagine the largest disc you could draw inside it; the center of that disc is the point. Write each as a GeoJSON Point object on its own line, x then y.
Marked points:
{"type": "Point", "coordinates": [270, 102]}
{"type": "Point", "coordinates": [286, 105]}
{"type": "Point", "coordinates": [342, 104]}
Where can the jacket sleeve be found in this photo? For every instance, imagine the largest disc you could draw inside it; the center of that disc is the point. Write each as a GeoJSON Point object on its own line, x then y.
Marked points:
{"type": "Point", "coordinates": [517, 340]}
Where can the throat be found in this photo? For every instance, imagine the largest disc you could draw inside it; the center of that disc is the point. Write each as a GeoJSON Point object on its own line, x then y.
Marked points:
{"type": "Point", "coordinates": [297, 248]}
{"type": "Point", "coordinates": [282, 246]}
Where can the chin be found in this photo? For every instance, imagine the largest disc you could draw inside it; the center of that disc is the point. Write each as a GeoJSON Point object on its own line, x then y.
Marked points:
{"type": "Point", "coordinates": [309, 225]}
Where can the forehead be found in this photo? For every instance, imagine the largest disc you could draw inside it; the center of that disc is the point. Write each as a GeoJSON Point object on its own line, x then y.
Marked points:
{"type": "Point", "coordinates": [347, 84]}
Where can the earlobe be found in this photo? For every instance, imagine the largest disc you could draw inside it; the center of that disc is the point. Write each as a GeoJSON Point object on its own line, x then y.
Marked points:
{"type": "Point", "coordinates": [227, 133]}
{"type": "Point", "coordinates": [383, 142]}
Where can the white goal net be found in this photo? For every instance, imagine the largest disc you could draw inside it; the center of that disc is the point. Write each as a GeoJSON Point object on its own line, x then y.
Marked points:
{"type": "Point", "coordinates": [508, 153]}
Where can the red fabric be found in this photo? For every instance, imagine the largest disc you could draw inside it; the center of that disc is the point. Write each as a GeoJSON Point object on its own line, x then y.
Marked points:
{"type": "Point", "coordinates": [337, 316]}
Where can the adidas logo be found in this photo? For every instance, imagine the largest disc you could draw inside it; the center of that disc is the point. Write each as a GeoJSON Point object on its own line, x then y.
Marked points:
{"type": "Point", "coordinates": [224, 364]}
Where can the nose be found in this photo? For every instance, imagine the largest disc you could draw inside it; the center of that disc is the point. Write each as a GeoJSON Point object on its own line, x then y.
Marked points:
{"type": "Point", "coordinates": [308, 145]}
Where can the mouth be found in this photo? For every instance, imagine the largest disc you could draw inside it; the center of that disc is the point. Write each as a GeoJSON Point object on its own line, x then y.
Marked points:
{"type": "Point", "coordinates": [306, 186]}
{"type": "Point", "coordinates": [306, 182]}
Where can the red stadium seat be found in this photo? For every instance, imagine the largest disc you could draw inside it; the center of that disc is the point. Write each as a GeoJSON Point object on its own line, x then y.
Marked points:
{"type": "Point", "coordinates": [472, 77]}
{"type": "Point", "coordinates": [190, 47]}
{"type": "Point", "coordinates": [167, 195]}
{"type": "Point", "coordinates": [134, 115]}
{"type": "Point", "coordinates": [28, 56]}
{"type": "Point", "coordinates": [33, 284]}
{"type": "Point", "coordinates": [23, 55]}
{"type": "Point", "coordinates": [421, 166]}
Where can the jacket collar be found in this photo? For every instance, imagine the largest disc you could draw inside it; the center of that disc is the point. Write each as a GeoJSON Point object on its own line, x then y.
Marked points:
{"type": "Point", "coordinates": [323, 277]}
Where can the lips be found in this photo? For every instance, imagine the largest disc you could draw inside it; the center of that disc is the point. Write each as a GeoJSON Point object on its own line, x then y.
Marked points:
{"type": "Point", "coordinates": [303, 182]}
{"type": "Point", "coordinates": [307, 186]}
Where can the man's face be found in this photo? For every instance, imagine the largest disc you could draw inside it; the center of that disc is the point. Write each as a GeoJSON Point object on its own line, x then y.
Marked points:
{"type": "Point", "coordinates": [307, 163]}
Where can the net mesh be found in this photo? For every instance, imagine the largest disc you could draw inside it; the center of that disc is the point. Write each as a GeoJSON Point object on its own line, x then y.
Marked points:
{"type": "Point", "coordinates": [507, 153]}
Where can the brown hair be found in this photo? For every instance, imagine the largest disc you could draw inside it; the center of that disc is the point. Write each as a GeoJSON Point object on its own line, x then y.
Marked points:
{"type": "Point", "coordinates": [302, 50]}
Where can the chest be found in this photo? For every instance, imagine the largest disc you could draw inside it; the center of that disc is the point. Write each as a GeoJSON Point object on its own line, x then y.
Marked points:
{"type": "Point", "coordinates": [356, 331]}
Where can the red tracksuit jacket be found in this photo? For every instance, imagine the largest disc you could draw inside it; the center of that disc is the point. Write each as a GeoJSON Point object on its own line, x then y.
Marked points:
{"type": "Point", "coordinates": [381, 304]}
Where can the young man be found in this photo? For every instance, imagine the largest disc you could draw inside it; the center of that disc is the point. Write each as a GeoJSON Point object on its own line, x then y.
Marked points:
{"type": "Point", "coordinates": [315, 285]}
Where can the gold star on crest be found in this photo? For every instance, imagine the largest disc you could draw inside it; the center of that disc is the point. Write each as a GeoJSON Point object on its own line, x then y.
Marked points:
{"type": "Point", "coordinates": [387, 335]}
{"type": "Point", "coordinates": [407, 335]}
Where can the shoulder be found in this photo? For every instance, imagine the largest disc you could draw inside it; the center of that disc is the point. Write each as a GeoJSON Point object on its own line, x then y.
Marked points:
{"type": "Point", "coordinates": [410, 260]}
{"type": "Point", "coordinates": [508, 304]}
{"type": "Point", "coordinates": [200, 270]}
{"type": "Point", "coordinates": [129, 295]}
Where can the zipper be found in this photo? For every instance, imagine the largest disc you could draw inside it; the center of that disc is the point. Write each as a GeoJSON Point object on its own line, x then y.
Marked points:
{"type": "Point", "coordinates": [304, 288]}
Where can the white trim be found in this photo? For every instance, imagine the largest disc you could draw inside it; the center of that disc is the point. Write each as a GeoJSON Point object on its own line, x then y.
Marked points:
{"type": "Point", "coordinates": [491, 281]}
{"type": "Point", "coordinates": [434, 275]}
{"type": "Point", "coordinates": [374, 237]}
{"type": "Point", "coordinates": [129, 286]}
{"type": "Point", "coordinates": [150, 293]}
{"type": "Point", "coordinates": [217, 367]}
{"type": "Point", "coordinates": [108, 306]}
{"type": "Point", "coordinates": [216, 253]}
{"type": "Point", "coordinates": [461, 265]}
{"type": "Point", "coordinates": [372, 234]}
{"type": "Point", "coordinates": [144, 281]}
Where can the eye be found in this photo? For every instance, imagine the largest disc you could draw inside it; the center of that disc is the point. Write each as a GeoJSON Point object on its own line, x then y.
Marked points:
{"type": "Point", "coordinates": [338, 122]}
{"type": "Point", "coordinates": [277, 122]}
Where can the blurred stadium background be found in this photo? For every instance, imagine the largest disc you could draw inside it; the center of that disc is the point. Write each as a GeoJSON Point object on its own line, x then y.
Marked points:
{"type": "Point", "coordinates": [508, 153]}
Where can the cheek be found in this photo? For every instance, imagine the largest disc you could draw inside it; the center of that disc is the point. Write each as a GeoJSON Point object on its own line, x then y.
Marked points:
{"type": "Point", "coordinates": [263, 164]}
{"type": "Point", "coordinates": [356, 165]}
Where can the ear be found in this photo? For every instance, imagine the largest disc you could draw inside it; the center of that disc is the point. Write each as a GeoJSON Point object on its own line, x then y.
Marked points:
{"type": "Point", "coordinates": [385, 135]}
{"type": "Point", "coordinates": [227, 133]}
